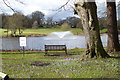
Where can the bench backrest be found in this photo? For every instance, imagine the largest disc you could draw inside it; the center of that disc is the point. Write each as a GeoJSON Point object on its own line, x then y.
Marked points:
{"type": "Point", "coordinates": [55, 47]}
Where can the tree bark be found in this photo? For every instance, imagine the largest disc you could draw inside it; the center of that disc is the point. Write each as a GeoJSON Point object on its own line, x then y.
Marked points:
{"type": "Point", "coordinates": [88, 14]}
{"type": "Point", "coordinates": [113, 40]}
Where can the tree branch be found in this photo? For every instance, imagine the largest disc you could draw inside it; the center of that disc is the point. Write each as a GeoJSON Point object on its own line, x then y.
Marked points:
{"type": "Point", "coordinates": [20, 1]}
{"type": "Point", "coordinates": [6, 2]}
{"type": "Point", "coordinates": [63, 6]}
{"type": "Point", "coordinates": [8, 6]}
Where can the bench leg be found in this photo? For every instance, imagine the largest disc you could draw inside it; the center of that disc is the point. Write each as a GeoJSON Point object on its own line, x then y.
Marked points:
{"type": "Point", "coordinates": [66, 51]}
{"type": "Point", "coordinates": [45, 52]}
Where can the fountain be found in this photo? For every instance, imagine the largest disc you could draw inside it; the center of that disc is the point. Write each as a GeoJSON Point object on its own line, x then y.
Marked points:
{"type": "Point", "coordinates": [61, 35]}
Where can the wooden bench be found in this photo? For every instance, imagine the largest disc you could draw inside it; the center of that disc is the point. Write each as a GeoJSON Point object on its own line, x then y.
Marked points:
{"type": "Point", "coordinates": [55, 48]}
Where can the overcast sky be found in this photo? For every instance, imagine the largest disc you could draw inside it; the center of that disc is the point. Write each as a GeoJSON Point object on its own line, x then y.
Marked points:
{"type": "Point", "coordinates": [45, 6]}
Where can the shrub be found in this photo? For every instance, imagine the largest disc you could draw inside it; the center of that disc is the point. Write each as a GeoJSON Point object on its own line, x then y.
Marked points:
{"type": "Point", "coordinates": [65, 27]}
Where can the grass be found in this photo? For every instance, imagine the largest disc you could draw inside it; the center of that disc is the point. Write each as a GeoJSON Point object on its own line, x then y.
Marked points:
{"type": "Point", "coordinates": [17, 65]}
{"type": "Point", "coordinates": [43, 31]}
{"type": "Point", "coordinates": [47, 31]}
{"type": "Point", "coordinates": [103, 31]}
{"type": "Point", "coordinates": [65, 66]}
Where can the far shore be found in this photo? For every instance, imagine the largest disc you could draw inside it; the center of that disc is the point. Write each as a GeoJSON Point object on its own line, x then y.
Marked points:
{"type": "Point", "coordinates": [43, 35]}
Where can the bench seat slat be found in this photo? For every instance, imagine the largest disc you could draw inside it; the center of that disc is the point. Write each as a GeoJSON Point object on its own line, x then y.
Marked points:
{"type": "Point", "coordinates": [55, 48]}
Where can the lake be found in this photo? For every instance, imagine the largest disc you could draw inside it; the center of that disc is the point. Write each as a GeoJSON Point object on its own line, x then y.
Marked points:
{"type": "Point", "coordinates": [37, 43]}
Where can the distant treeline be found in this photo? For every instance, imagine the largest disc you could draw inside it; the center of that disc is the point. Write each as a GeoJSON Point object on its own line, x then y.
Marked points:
{"type": "Point", "coordinates": [18, 21]}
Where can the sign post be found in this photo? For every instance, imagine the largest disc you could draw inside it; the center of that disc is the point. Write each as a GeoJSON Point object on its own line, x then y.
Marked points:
{"type": "Point", "coordinates": [23, 43]}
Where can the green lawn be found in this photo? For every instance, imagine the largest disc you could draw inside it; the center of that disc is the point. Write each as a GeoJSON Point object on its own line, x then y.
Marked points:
{"type": "Point", "coordinates": [47, 31]}
{"type": "Point", "coordinates": [42, 31]}
{"type": "Point", "coordinates": [64, 66]}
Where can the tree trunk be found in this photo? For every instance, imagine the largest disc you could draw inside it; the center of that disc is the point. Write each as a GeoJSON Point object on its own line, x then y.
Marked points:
{"type": "Point", "coordinates": [113, 40]}
{"type": "Point", "coordinates": [88, 14]}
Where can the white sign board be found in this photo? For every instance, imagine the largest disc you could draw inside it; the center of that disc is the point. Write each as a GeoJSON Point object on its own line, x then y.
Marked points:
{"type": "Point", "coordinates": [22, 41]}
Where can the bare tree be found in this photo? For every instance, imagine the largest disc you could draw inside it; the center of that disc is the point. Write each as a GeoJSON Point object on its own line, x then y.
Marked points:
{"type": "Point", "coordinates": [88, 14]}
{"type": "Point", "coordinates": [15, 23]}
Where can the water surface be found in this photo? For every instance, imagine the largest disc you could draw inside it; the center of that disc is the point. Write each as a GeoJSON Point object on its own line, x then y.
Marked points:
{"type": "Point", "coordinates": [37, 43]}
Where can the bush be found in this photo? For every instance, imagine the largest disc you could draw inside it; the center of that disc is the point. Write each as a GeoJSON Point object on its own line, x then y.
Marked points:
{"type": "Point", "coordinates": [65, 27]}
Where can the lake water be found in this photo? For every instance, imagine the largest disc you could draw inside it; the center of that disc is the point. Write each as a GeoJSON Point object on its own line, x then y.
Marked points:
{"type": "Point", "coordinates": [37, 43]}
